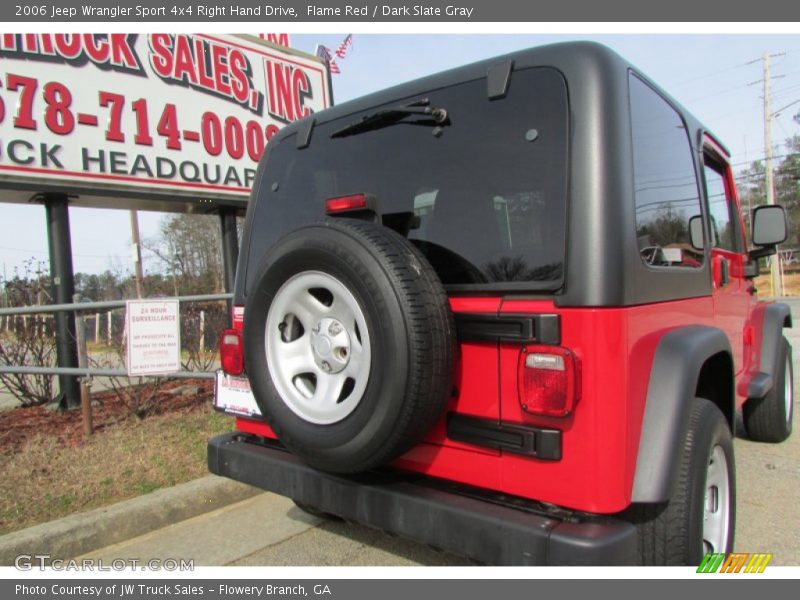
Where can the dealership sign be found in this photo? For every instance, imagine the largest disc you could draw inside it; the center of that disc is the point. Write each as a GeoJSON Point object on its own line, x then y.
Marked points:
{"type": "Point", "coordinates": [158, 115]}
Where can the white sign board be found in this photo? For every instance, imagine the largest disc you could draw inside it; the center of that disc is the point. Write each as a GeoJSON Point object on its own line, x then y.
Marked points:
{"type": "Point", "coordinates": [153, 336]}
{"type": "Point", "coordinates": [233, 395]}
{"type": "Point", "coordinates": [164, 115]}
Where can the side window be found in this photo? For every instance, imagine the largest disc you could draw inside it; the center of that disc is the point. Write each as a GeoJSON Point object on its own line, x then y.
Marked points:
{"type": "Point", "coordinates": [665, 185]}
{"type": "Point", "coordinates": [723, 225]}
{"type": "Point", "coordinates": [424, 202]}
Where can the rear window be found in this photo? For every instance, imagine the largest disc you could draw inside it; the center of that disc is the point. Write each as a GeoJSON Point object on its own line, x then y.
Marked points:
{"type": "Point", "coordinates": [486, 199]}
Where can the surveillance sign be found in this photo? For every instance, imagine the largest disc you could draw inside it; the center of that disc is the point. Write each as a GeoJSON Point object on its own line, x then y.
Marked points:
{"type": "Point", "coordinates": [153, 336]}
{"type": "Point", "coordinates": [148, 115]}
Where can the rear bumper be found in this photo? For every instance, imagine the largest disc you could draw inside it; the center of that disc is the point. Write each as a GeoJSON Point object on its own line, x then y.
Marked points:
{"type": "Point", "coordinates": [408, 506]}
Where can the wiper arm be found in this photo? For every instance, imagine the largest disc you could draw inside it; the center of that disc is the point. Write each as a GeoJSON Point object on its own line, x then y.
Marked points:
{"type": "Point", "coordinates": [395, 114]}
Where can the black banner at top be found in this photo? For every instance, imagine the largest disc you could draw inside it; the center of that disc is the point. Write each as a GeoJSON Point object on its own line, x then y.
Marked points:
{"type": "Point", "coordinates": [411, 11]}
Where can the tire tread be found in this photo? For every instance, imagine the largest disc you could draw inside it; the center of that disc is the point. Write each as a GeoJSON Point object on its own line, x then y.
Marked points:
{"type": "Point", "coordinates": [667, 533]}
{"type": "Point", "coordinates": [765, 418]}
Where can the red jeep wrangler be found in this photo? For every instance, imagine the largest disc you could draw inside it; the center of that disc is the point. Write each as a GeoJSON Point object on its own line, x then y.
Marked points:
{"type": "Point", "coordinates": [508, 311]}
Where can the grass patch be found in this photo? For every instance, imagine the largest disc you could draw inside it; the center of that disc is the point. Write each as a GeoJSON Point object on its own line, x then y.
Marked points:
{"type": "Point", "coordinates": [791, 284]}
{"type": "Point", "coordinates": [45, 479]}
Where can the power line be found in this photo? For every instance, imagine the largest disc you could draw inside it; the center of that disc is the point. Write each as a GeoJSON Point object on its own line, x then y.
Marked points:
{"type": "Point", "coordinates": [713, 73]}
{"type": "Point", "coordinates": [761, 158]}
{"type": "Point", "coordinates": [784, 90]}
{"type": "Point", "coordinates": [719, 93]}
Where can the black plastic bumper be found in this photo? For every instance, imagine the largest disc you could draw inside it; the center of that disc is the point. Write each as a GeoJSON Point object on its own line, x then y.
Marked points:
{"type": "Point", "coordinates": [407, 506]}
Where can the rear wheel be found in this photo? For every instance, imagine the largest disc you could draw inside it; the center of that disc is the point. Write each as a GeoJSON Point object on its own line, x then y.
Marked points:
{"type": "Point", "coordinates": [701, 513]}
{"type": "Point", "coordinates": [769, 419]}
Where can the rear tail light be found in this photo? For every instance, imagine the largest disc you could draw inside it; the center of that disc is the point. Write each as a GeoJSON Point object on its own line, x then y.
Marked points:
{"type": "Point", "coordinates": [231, 351]}
{"type": "Point", "coordinates": [549, 380]}
{"type": "Point", "coordinates": [351, 203]}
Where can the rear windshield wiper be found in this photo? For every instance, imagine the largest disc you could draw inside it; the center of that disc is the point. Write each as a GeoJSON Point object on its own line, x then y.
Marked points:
{"type": "Point", "coordinates": [394, 115]}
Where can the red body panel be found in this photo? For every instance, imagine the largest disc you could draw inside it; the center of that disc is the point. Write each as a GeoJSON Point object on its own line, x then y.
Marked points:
{"type": "Point", "coordinates": [616, 347]}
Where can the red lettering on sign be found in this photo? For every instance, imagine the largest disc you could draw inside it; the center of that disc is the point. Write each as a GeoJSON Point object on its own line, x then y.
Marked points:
{"type": "Point", "coordinates": [113, 49]}
{"type": "Point", "coordinates": [97, 49]}
{"type": "Point", "coordinates": [161, 55]}
{"type": "Point", "coordinates": [288, 89]}
{"type": "Point", "coordinates": [206, 65]}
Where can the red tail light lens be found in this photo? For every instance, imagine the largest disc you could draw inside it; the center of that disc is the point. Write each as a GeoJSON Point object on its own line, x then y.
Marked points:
{"type": "Point", "coordinates": [231, 351]}
{"type": "Point", "coordinates": [340, 204]}
{"type": "Point", "coordinates": [549, 380]}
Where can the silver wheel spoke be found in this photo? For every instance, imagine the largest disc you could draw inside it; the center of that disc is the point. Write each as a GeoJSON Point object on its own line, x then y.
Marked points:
{"type": "Point", "coordinates": [329, 387]}
{"type": "Point", "coordinates": [356, 346]}
{"type": "Point", "coordinates": [356, 358]}
{"type": "Point", "coordinates": [296, 358]}
{"type": "Point", "coordinates": [308, 309]}
{"type": "Point", "coordinates": [713, 530]}
{"type": "Point", "coordinates": [716, 507]}
{"type": "Point", "coordinates": [342, 312]}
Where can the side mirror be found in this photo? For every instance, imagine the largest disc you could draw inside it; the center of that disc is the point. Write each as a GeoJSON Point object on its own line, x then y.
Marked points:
{"type": "Point", "coordinates": [696, 236]}
{"type": "Point", "coordinates": [770, 226]}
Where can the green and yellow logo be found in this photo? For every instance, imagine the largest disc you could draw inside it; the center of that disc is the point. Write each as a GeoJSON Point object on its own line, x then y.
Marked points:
{"type": "Point", "coordinates": [741, 562]}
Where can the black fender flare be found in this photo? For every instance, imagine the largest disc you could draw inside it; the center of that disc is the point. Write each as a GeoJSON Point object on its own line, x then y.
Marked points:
{"type": "Point", "coordinates": [773, 317]}
{"type": "Point", "coordinates": [677, 362]}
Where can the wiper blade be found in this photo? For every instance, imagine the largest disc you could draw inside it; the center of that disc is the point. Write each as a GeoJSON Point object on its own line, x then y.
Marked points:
{"type": "Point", "coordinates": [394, 115]}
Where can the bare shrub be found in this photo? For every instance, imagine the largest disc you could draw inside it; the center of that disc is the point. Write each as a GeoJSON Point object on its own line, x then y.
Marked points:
{"type": "Point", "coordinates": [28, 340]}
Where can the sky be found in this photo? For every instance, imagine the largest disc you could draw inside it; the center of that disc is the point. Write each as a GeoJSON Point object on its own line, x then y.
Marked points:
{"type": "Point", "coordinates": [717, 77]}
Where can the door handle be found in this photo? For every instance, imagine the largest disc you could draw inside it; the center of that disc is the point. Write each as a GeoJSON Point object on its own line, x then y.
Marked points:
{"type": "Point", "coordinates": [724, 272]}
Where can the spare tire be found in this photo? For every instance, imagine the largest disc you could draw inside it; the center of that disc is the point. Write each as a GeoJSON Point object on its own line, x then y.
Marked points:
{"type": "Point", "coordinates": [349, 343]}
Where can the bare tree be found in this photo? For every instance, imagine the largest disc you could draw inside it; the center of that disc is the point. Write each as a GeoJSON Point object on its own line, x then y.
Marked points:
{"type": "Point", "coordinates": [189, 253]}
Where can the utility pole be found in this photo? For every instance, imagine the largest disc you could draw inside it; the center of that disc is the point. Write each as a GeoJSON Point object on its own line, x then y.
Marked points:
{"type": "Point", "coordinates": [775, 264]}
{"type": "Point", "coordinates": [5, 286]}
{"type": "Point", "coordinates": [776, 273]}
{"type": "Point", "coordinates": [138, 272]}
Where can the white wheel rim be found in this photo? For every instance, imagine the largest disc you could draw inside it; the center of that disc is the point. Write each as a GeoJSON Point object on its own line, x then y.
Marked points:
{"type": "Point", "coordinates": [318, 349]}
{"type": "Point", "coordinates": [717, 503]}
{"type": "Point", "coordinates": [788, 389]}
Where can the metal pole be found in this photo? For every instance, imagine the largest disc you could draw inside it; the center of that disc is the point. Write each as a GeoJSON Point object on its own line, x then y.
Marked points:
{"type": "Point", "coordinates": [78, 372]}
{"type": "Point", "coordinates": [104, 304]}
{"type": "Point", "coordinates": [83, 363]}
{"type": "Point", "coordinates": [63, 288]}
{"type": "Point", "coordinates": [202, 332]}
{"type": "Point", "coordinates": [230, 246]}
{"type": "Point", "coordinates": [5, 287]}
{"type": "Point", "coordinates": [138, 272]}
{"type": "Point", "coordinates": [775, 264]}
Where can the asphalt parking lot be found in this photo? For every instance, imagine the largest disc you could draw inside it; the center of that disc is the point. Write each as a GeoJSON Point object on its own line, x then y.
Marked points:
{"type": "Point", "coordinates": [270, 530]}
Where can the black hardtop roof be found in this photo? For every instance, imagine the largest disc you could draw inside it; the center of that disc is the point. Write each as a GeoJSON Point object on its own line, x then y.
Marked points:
{"type": "Point", "coordinates": [604, 265]}
{"type": "Point", "coordinates": [568, 57]}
